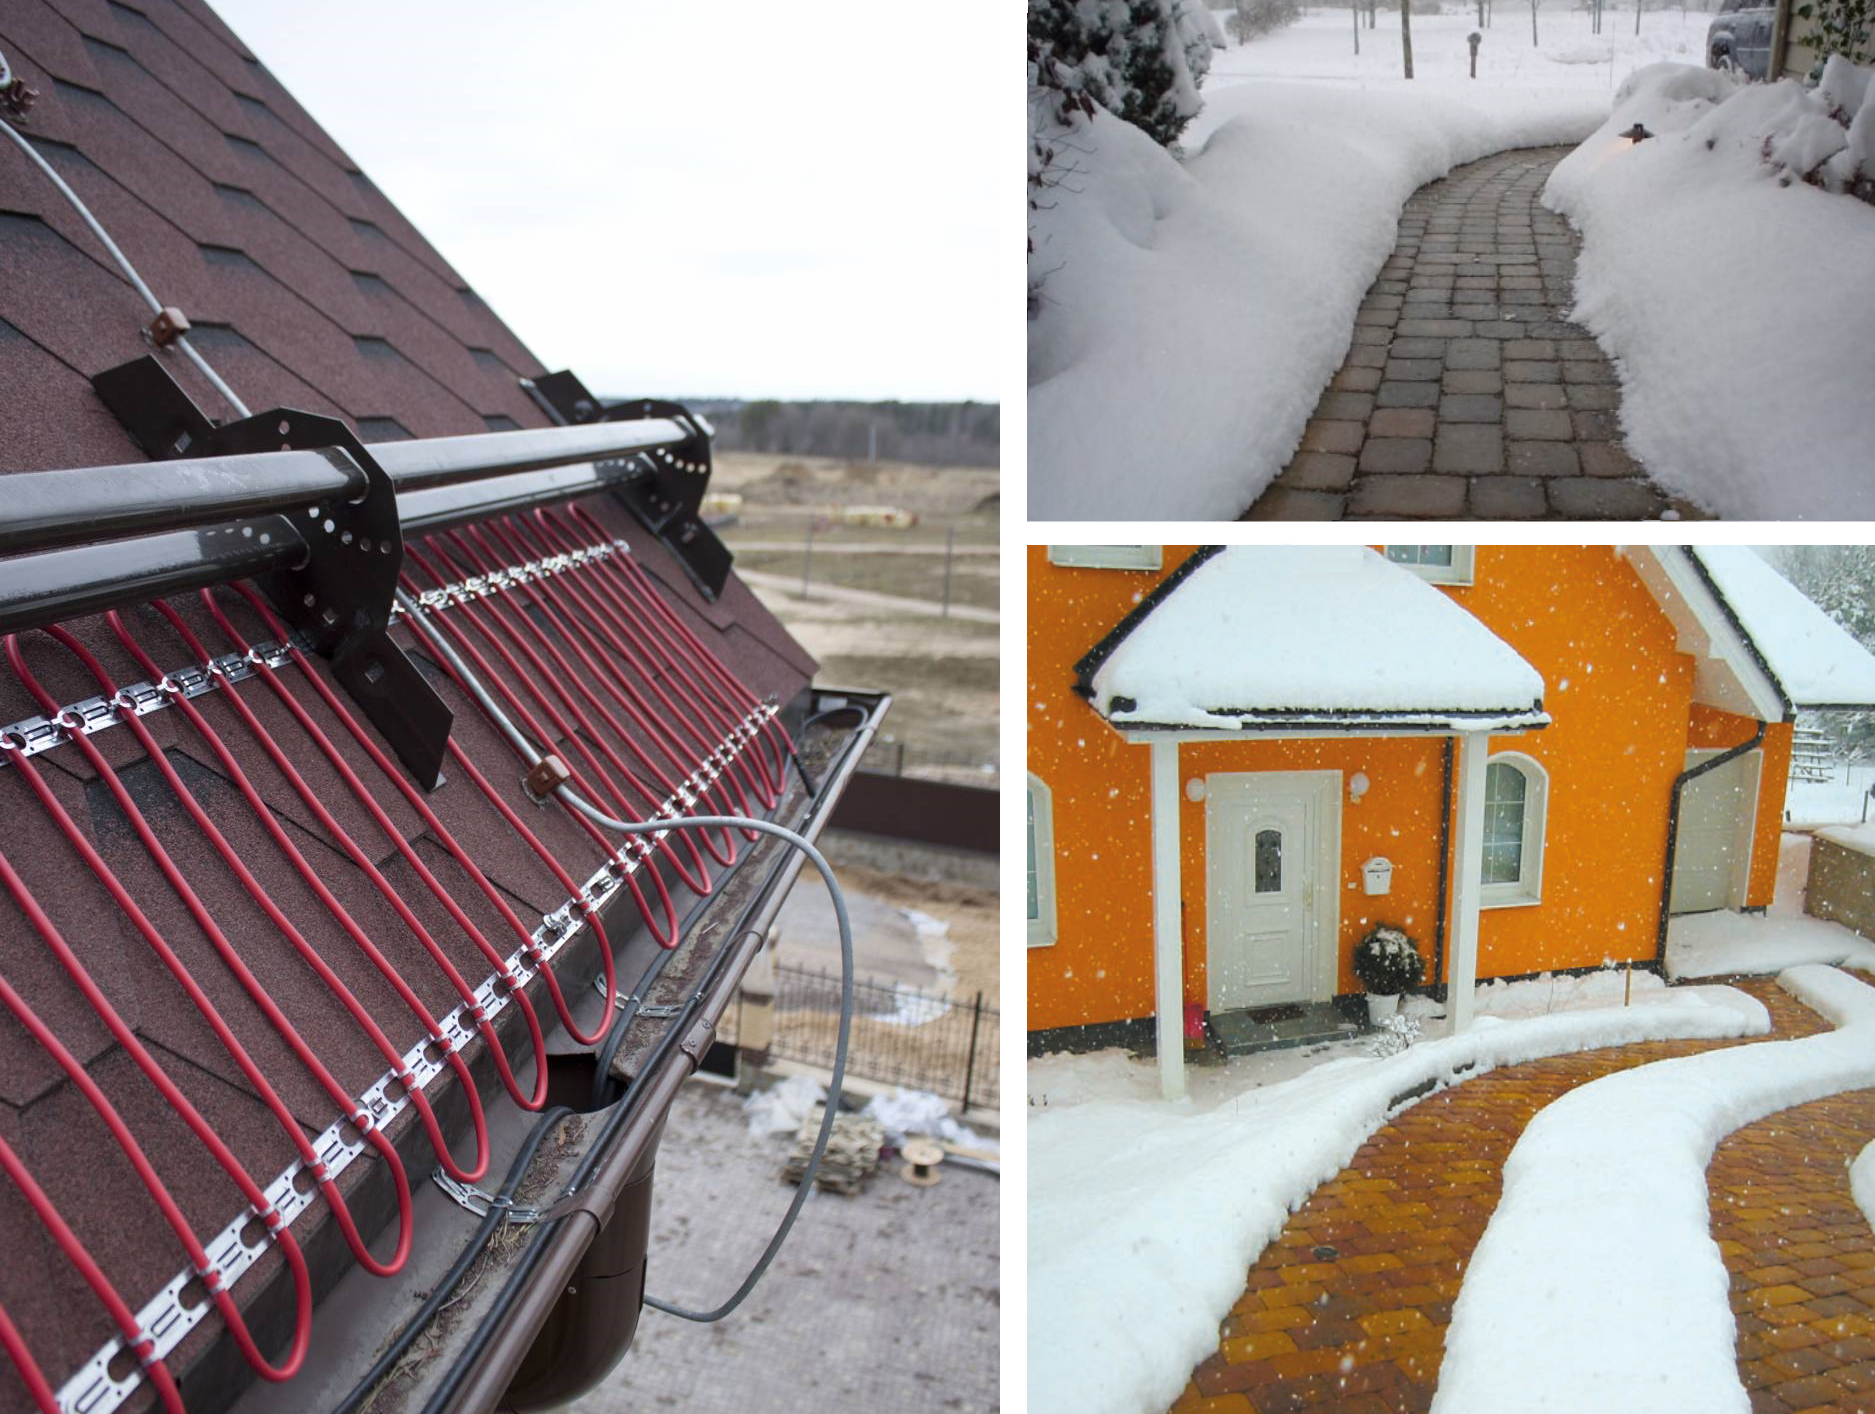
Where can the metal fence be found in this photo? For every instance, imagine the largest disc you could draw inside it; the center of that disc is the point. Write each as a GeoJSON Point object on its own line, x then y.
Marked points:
{"type": "Point", "coordinates": [900, 1036]}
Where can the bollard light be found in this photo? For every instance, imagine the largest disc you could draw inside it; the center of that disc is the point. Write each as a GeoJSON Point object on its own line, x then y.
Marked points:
{"type": "Point", "coordinates": [1637, 134]}
{"type": "Point", "coordinates": [1474, 39]}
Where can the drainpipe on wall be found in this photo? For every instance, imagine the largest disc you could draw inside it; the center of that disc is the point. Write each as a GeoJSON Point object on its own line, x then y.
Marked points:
{"type": "Point", "coordinates": [1673, 834]}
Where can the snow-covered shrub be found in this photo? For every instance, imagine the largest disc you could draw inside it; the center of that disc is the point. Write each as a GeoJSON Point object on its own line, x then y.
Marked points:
{"type": "Point", "coordinates": [1388, 962]}
{"type": "Point", "coordinates": [1824, 135]}
{"type": "Point", "coordinates": [1396, 1034]}
{"type": "Point", "coordinates": [1141, 60]}
{"type": "Point", "coordinates": [1258, 17]}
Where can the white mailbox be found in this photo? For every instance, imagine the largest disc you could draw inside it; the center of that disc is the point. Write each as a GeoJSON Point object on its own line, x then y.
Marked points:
{"type": "Point", "coordinates": [1377, 873]}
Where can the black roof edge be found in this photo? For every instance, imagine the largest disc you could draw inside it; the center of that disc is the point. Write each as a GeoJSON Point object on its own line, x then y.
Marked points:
{"type": "Point", "coordinates": [1092, 660]}
{"type": "Point", "coordinates": [1751, 647]}
{"type": "Point", "coordinates": [1345, 719]}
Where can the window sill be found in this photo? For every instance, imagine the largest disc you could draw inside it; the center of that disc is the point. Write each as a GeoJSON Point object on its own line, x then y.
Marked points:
{"type": "Point", "coordinates": [1517, 900]}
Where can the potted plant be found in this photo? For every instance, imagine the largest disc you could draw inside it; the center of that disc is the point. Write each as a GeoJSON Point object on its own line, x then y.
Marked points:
{"type": "Point", "coordinates": [1387, 962]}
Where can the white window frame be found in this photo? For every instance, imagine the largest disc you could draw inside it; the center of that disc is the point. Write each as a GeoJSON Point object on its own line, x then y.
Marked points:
{"type": "Point", "coordinates": [1458, 572]}
{"type": "Point", "coordinates": [1528, 889]}
{"type": "Point", "coordinates": [1107, 557]}
{"type": "Point", "coordinates": [1041, 804]}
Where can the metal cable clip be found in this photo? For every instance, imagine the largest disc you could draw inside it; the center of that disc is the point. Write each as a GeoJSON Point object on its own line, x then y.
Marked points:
{"type": "Point", "coordinates": [482, 1204]}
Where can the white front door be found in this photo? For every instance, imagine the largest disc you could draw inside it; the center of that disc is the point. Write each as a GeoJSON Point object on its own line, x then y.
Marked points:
{"type": "Point", "coordinates": [1271, 844]}
{"type": "Point", "coordinates": [1712, 856]}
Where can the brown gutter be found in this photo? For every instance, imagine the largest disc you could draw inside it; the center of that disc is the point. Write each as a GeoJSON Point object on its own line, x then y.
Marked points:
{"type": "Point", "coordinates": [485, 1386]}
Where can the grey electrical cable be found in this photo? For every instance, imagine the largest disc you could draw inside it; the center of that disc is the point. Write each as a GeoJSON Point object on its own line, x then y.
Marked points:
{"type": "Point", "coordinates": [573, 801]}
{"type": "Point", "coordinates": [123, 264]}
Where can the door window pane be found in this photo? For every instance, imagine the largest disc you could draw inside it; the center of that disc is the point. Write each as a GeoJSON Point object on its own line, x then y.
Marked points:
{"type": "Point", "coordinates": [1269, 861]}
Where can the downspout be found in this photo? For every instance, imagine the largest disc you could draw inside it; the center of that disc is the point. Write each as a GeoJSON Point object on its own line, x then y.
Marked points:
{"type": "Point", "coordinates": [1445, 866]}
{"type": "Point", "coordinates": [1673, 834]}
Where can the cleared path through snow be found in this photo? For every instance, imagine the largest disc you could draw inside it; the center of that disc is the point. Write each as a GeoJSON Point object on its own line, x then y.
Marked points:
{"type": "Point", "coordinates": [1466, 393]}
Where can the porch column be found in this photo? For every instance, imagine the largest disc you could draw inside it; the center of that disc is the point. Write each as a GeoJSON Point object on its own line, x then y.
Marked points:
{"type": "Point", "coordinates": [1467, 871]}
{"type": "Point", "coordinates": [1168, 969]}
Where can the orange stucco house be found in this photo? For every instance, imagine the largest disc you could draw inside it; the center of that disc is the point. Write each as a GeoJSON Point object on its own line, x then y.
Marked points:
{"type": "Point", "coordinates": [1241, 759]}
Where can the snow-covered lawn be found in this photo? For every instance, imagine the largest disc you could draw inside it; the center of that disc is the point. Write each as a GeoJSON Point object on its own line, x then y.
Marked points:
{"type": "Point", "coordinates": [1735, 301]}
{"type": "Point", "coordinates": [1597, 1287]}
{"type": "Point", "coordinates": [1143, 1215]}
{"type": "Point", "coordinates": [1838, 801]}
{"type": "Point", "coordinates": [1862, 1182]}
{"type": "Point", "coordinates": [1193, 311]}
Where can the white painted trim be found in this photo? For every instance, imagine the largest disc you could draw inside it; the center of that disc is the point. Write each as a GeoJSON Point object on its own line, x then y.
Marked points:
{"type": "Point", "coordinates": [1528, 890]}
{"type": "Point", "coordinates": [1726, 675]}
{"type": "Point", "coordinates": [1107, 557]}
{"type": "Point", "coordinates": [1042, 932]}
{"type": "Point", "coordinates": [1168, 952]}
{"type": "Point", "coordinates": [1323, 944]}
{"type": "Point", "coordinates": [1459, 572]}
{"type": "Point", "coordinates": [1468, 830]}
{"type": "Point", "coordinates": [1496, 726]}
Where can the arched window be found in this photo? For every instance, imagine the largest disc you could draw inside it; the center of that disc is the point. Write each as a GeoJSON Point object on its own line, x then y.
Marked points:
{"type": "Point", "coordinates": [1041, 865]}
{"type": "Point", "coordinates": [1516, 797]}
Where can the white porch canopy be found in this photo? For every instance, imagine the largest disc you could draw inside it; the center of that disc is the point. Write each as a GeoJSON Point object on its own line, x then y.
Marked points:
{"type": "Point", "coordinates": [1304, 641]}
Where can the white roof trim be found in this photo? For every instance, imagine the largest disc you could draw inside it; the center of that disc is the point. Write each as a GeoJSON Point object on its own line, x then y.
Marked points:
{"type": "Point", "coordinates": [1726, 673]}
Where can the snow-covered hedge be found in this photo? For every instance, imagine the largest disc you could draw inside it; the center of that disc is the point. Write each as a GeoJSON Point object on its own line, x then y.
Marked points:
{"type": "Point", "coordinates": [1732, 292]}
{"type": "Point", "coordinates": [1141, 60]}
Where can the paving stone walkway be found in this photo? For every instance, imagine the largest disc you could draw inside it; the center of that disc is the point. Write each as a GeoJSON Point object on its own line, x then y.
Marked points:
{"type": "Point", "coordinates": [1466, 393]}
{"type": "Point", "coordinates": [1362, 1331]}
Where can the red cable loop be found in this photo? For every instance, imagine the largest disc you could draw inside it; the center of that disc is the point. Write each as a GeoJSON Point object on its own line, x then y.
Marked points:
{"type": "Point", "coordinates": [371, 806]}
{"type": "Point", "coordinates": [498, 612]}
{"type": "Point", "coordinates": [275, 914]}
{"type": "Point", "coordinates": [436, 827]}
{"type": "Point", "coordinates": [219, 940]}
{"type": "Point", "coordinates": [617, 629]}
{"type": "Point", "coordinates": [484, 558]}
{"type": "Point", "coordinates": [668, 936]}
{"type": "Point", "coordinates": [624, 583]}
{"type": "Point", "coordinates": [186, 1111]}
{"type": "Point", "coordinates": [135, 1338]}
{"type": "Point", "coordinates": [578, 635]}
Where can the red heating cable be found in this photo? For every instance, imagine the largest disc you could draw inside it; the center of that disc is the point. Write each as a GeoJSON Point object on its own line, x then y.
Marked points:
{"type": "Point", "coordinates": [34, 1378]}
{"type": "Point", "coordinates": [621, 690]}
{"type": "Point", "coordinates": [634, 573]}
{"type": "Point", "coordinates": [666, 936]}
{"type": "Point", "coordinates": [506, 978]}
{"type": "Point", "coordinates": [619, 632]}
{"type": "Point", "coordinates": [438, 829]}
{"type": "Point", "coordinates": [340, 915]}
{"type": "Point", "coordinates": [250, 983]}
{"type": "Point", "coordinates": [137, 1340]}
{"type": "Point", "coordinates": [265, 902]}
{"type": "Point", "coordinates": [623, 580]}
{"type": "Point", "coordinates": [485, 560]}
{"type": "Point", "coordinates": [358, 857]}
{"type": "Point", "coordinates": [211, 1141]}
{"type": "Point", "coordinates": [498, 614]}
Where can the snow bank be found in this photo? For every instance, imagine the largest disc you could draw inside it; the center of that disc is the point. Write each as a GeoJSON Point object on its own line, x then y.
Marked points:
{"type": "Point", "coordinates": [1814, 659]}
{"type": "Point", "coordinates": [1738, 310]}
{"type": "Point", "coordinates": [1400, 644]}
{"type": "Point", "coordinates": [1597, 1286]}
{"type": "Point", "coordinates": [1144, 1216]}
{"type": "Point", "coordinates": [1193, 312]}
{"type": "Point", "coordinates": [1724, 944]}
{"type": "Point", "coordinates": [1862, 1182]}
{"type": "Point", "coordinates": [1831, 802]}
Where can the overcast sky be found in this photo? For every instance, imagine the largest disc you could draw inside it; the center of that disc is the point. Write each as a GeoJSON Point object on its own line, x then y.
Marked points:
{"type": "Point", "coordinates": [790, 198]}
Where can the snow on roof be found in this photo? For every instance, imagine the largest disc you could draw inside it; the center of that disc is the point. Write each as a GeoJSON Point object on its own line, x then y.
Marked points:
{"type": "Point", "coordinates": [1814, 659]}
{"type": "Point", "coordinates": [1274, 636]}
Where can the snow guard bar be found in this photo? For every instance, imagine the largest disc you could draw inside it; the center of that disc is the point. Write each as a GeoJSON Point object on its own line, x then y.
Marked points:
{"type": "Point", "coordinates": [295, 501]}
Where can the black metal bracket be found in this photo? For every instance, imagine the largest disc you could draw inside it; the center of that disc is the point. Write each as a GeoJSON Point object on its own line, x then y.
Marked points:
{"type": "Point", "coordinates": [667, 493]}
{"type": "Point", "coordinates": [341, 594]}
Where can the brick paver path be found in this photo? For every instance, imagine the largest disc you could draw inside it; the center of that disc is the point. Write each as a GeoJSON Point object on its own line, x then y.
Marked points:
{"type": "Point", "coordinates": [1801, 1254]}
{"type": "Point", "coordinates": [1466, 393]}
{"type": "Point", "coordinates": [1363, 1331]}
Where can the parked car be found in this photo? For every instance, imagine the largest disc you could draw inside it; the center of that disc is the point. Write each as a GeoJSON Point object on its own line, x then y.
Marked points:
{"type": "Point", "coordinates": [1740, 37]}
